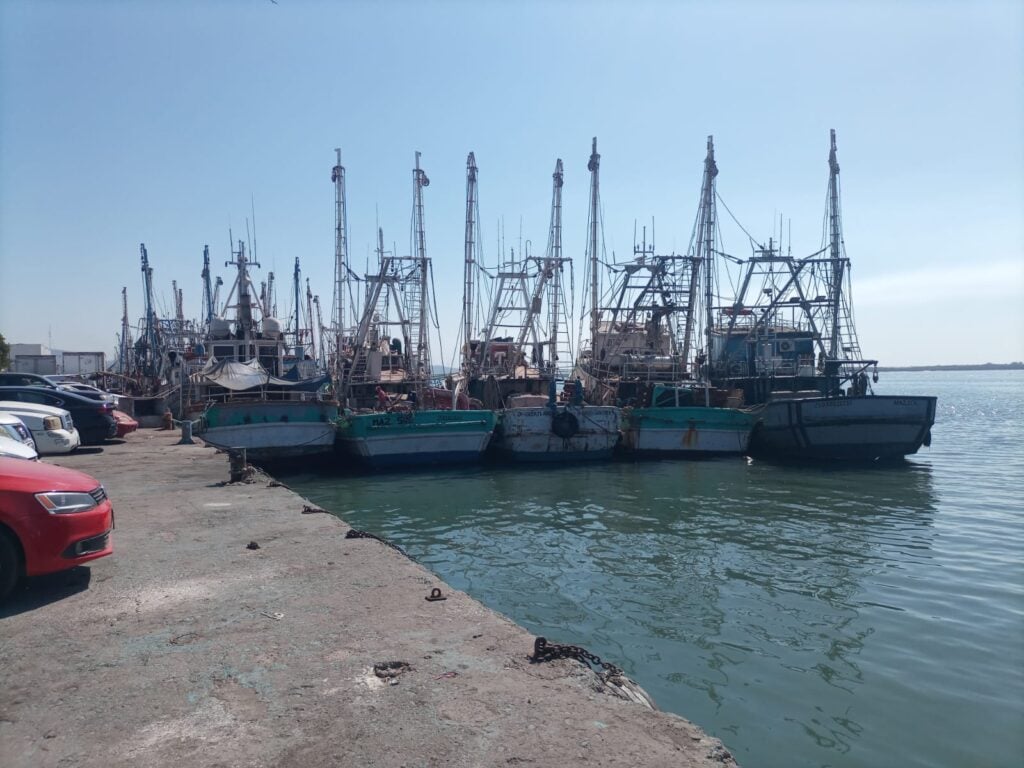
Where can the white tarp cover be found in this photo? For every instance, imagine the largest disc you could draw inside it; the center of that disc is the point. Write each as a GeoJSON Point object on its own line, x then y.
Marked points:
{"type": "Point", "coordinates": [238, 376]}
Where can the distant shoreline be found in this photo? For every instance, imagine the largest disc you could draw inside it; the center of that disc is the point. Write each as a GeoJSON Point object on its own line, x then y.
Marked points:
{"type": "Point", "coordinates": [982, 367]}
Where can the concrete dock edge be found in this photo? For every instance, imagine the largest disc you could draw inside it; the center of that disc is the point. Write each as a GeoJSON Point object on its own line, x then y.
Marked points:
{"type": "Point", "coordinates": [188, 648]}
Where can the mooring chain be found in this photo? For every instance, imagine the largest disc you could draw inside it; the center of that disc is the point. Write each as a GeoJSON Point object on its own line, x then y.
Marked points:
{"type": "Point", "coordinates": [545, 651]}
{"type": "Point", "coordinates": [356, 534]}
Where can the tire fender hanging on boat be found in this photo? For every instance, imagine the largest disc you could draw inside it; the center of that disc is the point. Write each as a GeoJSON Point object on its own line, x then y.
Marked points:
{"type": "Point", "coordinates": [565, 424]}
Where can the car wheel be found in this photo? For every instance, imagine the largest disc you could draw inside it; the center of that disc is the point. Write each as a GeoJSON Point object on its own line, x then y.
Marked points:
{"type": "Point", "coordinates": [10, 564]}
{"type": "Point", "coordinates": [91, 437]}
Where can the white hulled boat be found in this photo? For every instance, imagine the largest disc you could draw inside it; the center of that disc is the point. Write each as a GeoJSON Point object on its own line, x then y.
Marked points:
{"type": "Point", "coordinates": [250, 393]}
{"type": "Point", "coordinates": [514, 365]}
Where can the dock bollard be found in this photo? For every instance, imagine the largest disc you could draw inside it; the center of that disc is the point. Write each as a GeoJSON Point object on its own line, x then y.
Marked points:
{"type": "Point", "coordinates": [237, 463]}
{"type": "Point", "coordinates": [186, 433]}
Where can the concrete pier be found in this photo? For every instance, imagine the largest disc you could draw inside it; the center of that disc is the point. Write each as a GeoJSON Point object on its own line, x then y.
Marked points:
{"type": "Point", "coordinates": [230, 628]}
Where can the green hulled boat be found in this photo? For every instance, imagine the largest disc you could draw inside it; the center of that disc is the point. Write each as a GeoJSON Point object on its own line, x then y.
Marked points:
{"type": "Point", "coordinates": [407, 438]}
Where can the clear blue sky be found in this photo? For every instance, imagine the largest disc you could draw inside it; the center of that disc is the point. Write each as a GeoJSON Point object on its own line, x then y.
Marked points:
{"type": "Point", "coordinates": [159, 122]}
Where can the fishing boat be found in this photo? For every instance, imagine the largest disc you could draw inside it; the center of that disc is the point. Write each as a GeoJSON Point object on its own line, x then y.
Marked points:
{"type": "Point", "coordinates": [386, 378]}
{"type": "Point", "coordinates": [556, 431]}
{"type": "Point", "coordinates": [788, 342]}
{"type": "Point", "coordinates": [152, 361]}
{"type": "Point", "coordinates": [251, 391]}
{"type": "Point", "coordinates": [643, 353]}
{"type": "Point", "coordinates": [412, 437]}
{"type": "Point", "coordinates": [514, 365]}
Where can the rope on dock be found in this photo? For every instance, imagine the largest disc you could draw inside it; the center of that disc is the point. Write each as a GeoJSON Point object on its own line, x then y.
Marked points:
{"type": "Point", "coordinates": [357, 534]}
{"type": "Point", "coordinates": [611, 676]}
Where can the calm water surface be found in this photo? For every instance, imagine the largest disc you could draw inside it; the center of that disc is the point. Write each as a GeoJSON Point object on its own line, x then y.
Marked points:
{"type": "Point", "coordinates": [806, 616]}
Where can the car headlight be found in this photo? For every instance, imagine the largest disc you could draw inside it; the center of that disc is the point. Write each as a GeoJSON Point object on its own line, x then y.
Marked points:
{"type": "Point", "coordinates": [63, 503]}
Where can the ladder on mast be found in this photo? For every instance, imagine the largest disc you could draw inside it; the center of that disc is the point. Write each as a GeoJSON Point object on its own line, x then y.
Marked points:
{"type": "Point", "coordinates": [416, 294]}
{"type": "Point", "coordinates": [843, 343]}
{"type": "Point", "coordinates": [551, 277]}
{"type": "Point", "coordinates": [338, 310]}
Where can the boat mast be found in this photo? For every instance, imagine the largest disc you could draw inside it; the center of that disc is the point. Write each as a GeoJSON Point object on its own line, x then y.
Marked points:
{"type": "Point", "coordinates": [216, 294]}
{"type": "Point", "coordinates": [707, 258]}
{"type": "Point", "coordinates": [178, 316]}
{"type": "Point", "coordinates": [244, 306]}
{"type": "Point", "coordinates": [340, 252]}
{"type": "Point", "coordinates": [554, 264]}
{"type": "Point", "coordinates": [547, 285]}
{"type": "Point", "coordinates": [269, 305]}
{"type": "Point", "coordinates": [703, 255]}
{"type": "Point", "coordinates": [472, 214]}
{"type": "Point", "coordinates": [594, 167]}
{"type": "Point", "coordinates": [207, 288]}
{"type": "Point", "coordinates": [835, 234]}
{"type": "Point", "coordinates": [309, 317]}
{"type": "Point", "coordinates": [126, 343]}
{"type": "Point", "coordinates": [296, 279]}
{"type": "Point", "coordinates": [319, 330]}
{"type": "Point", "coordinates": [150, 327]}
{"type": "Point", "coordinates": [422, 346]}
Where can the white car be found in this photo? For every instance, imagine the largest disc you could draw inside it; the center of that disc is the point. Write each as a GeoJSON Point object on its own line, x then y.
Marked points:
{"type": "Point", "coordinates": [86, 390]}
{"type": "Point", "coordinates": [15, 439]}
{"type": "Point", "coordinates": [51, 427]}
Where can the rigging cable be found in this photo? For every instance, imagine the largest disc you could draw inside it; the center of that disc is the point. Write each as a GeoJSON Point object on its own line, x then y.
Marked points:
{"type": "Point", "coordinates": [753, 242]}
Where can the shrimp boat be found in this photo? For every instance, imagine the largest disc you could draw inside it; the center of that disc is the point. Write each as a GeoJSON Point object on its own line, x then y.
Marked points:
{"type": "Point", "coordinates": [513, 366]}
{"type": "Point", "coordinates": [250, 392]}
{"type": "Point", "coordinates": [397, 416]}
{"type": "Point", "coordinates": [643, 352]}
{"type": "Point", "coordinates": [793, 348]}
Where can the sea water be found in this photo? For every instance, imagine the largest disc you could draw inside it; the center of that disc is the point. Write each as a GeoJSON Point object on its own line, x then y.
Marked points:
{"type": "Point", "coordinates": [807, 616]}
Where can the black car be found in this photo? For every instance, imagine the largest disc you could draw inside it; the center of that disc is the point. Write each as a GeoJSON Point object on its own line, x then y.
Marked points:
{"type": "Point", "coordinates": [50, 382]}
{"type": "Point", "coordinates": [93, 419]}
{"type": "Point", "coordinates": [13, 379]}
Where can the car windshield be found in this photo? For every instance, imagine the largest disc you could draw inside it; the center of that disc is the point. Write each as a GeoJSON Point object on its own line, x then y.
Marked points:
{"type": "Point", "coordinates": [8, 430]}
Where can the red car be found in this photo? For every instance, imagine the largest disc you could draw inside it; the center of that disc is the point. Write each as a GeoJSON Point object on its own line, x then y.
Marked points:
{"type": "Point", "coordinates": [51, 518]}
{"type": "Point", "coordinates": [125, 423]}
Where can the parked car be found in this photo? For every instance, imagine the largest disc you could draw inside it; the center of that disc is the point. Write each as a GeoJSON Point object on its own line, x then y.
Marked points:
{"type": "Point", "coordinates": [56, 382]}
{"type": "Point", "coordinates": [86, 390]}
{"type": "Point", "coordinates": [66, 421]}
{"type": "Point", "coordinates": [51, 519]}
{"type": "Point", "coordinates": [15, 428]}
{"type": "Point", "coordinates": [13, 379]}
{"type": "Point", "coordinates": [15, 449]}
{"type": "Point", "coordinates": [15, 440]}
{"type": "Point", "coordinates": [125, 423]}
{"type": "Point", "coordinates": [53, 429]}
{"type": "Point", "coordinates": [92, 417]}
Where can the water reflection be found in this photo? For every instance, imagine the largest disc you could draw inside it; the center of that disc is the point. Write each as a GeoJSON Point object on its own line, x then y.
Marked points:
{"type": "Point", "coordinates": [696, 577]}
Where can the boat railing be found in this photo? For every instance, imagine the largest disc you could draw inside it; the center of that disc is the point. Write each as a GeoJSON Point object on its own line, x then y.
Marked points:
{"type": "Point", "coordinates": [642, 368]}
{"type": "Point", "coordinates": [262, 395]}
{"type": "Point", "coordinates": [727, 369]}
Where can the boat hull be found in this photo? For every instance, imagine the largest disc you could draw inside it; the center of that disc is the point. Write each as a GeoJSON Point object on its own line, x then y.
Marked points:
{"type": "Point", "coordinates": [687, 430]}
{"type": "Point", "coordinates": [401, 439]}
{"type": "Point", "coordinates": [271, 430]}
{"type": "Point", "coordinates": [862, 428]}
{"type": "Point", "coordinates": [567, 433]}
